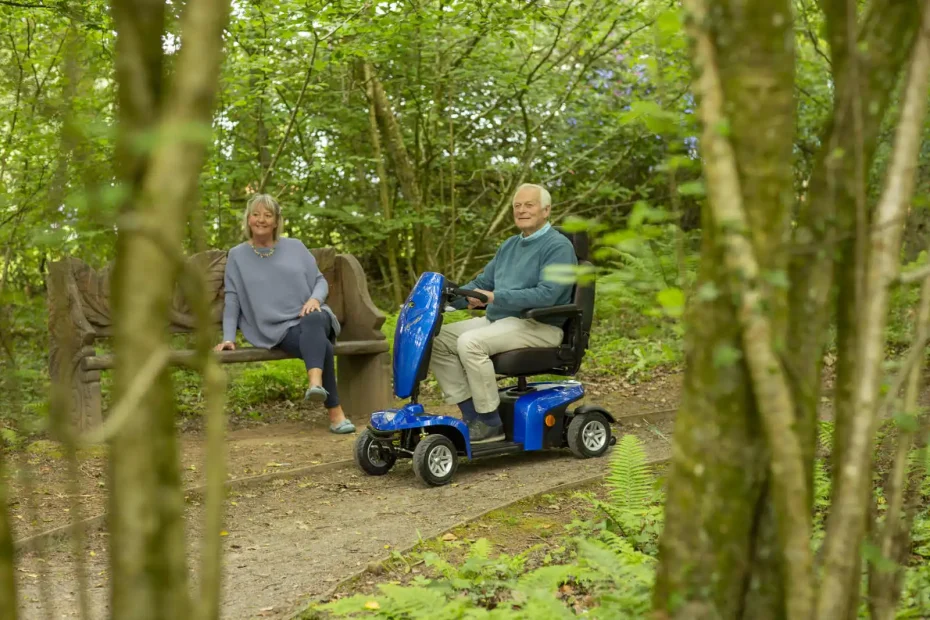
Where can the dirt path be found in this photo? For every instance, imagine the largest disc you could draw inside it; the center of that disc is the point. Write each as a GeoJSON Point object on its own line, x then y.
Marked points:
{"type": "Point", "coordinates": [292, 539]}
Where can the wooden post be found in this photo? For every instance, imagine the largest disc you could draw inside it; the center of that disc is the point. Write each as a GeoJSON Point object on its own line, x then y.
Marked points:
{"type": "Point", "coordinates": [71, 339]}
{"type": "Point", "coordinates": [85, 392]}
{"type": "Point", "coordinates": [364, 383]}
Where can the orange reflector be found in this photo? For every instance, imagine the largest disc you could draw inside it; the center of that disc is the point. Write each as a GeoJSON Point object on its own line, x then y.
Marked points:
{"type": "Point", "coordinates": [550, 420]}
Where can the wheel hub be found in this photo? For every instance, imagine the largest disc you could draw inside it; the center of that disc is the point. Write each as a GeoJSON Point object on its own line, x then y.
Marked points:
{"type": "Point", "coordinates": [439, 461]}
{"type": "Point", "coordinates": [375, 456]}
{"type": "Point", "coordinates": [593, 435]}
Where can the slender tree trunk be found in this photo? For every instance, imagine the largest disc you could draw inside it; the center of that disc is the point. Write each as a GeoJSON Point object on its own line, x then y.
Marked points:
{"type": "Point", "coordinates": [404, 166]}
{"type": "Point", "coordinates": [826, 215]}
{"type": "Point", "coordinates": [894, 536]}
{"type": "Point", "coordinates": [148, 555]}
{"type": "Point", "coordinates": [846, 524]}
{"type": "Point", "coordinates": [383, 196]}
{"type": "Point", "coordinates": [8, 604]}
{"type": "Point", "coordinates": [713, 563]}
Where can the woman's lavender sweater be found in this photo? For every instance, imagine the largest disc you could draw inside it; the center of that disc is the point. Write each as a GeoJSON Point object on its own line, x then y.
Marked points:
{"type": "Point", "coordinates": [264, 295]}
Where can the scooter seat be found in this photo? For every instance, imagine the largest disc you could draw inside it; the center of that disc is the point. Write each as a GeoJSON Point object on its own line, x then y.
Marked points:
{"type": "Point", "coordinates": [531, 361]}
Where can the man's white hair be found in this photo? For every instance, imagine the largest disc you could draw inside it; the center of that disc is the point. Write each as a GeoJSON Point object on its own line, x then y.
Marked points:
{"type": "Point", "coordinates": [545, 200]}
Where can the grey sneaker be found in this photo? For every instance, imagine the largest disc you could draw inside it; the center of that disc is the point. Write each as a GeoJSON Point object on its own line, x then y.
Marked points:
{"type": "Point", "coordinates": [479, 432]}
{"type": "Point", "coordinates": [316, 394]}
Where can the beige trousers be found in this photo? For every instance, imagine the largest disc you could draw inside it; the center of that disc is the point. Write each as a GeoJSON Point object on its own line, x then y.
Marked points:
{"type": "Point", "coordinates": [462, 353]}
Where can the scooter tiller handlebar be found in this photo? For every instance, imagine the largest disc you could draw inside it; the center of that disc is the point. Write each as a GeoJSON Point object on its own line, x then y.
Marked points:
{"type": "Point", "coordinates": [464, 292]}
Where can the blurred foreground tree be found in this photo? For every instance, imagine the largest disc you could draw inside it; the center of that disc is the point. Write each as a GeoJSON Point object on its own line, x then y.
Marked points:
{"type": "Point", "coordinates": [737, 539]}
{"type": "Point", "coordinates": [164, 129]}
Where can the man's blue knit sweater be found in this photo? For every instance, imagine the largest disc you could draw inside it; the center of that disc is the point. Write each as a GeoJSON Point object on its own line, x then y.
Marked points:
{"type": "Point", "coordinates": [516, 275]}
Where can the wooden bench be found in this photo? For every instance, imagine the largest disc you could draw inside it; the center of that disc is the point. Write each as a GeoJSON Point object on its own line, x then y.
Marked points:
{"type": "Point", "coordinates": [79, 315]}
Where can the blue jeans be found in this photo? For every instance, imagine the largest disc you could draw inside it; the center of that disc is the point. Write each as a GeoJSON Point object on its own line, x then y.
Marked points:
{"type": "Point", "coordinates": [310, 340]}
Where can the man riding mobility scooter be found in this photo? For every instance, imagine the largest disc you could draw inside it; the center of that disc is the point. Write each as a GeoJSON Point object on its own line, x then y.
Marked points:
{"type": "Point", "coordinates": [535, 415]}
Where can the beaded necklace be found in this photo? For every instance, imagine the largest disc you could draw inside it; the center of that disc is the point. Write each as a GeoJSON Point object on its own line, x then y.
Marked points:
{"type": "Point", "coordinates": [266, 254]}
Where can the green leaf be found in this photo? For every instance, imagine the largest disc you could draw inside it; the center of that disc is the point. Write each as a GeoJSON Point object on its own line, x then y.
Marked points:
{"type": "Point", "coordinates": [726, 355]}
{"type": "Point", "coordinates": [672, 301]}
{"type": "Point", "coordinates": [778, 279]}
{"type": "Point", "coordinates": [669, 22]}
{"type": "Point", "coordinates": [708, 292]}
{"type": "Point", "coordinates": [692, 188]}
{"type": "Point", "coordinates": [906, 422]}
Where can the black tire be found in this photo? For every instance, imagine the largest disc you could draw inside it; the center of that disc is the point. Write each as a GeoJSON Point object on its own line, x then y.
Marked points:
{"type": "Point", "coordinates": [435, 460]}
{"type": "Point", "coordinates": [370, 459]}
{"type": "Point", "coordinates": [589, 435]}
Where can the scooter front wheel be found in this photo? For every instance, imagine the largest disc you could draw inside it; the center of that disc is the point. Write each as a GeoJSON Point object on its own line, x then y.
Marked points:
{"type": "Point", "coordinates": [435, 460]}
{"type": "Point", "coordinates": [372, 455]}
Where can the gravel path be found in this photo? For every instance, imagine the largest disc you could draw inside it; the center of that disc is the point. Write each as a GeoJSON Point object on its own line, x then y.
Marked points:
{"type": "Point", "coordinates": [293, 539]}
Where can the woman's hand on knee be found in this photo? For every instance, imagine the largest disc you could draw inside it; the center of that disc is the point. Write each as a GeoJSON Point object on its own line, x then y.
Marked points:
{"type": "Point", "coordinates": [225, 345]}
{"type": "Point", "coordinates": [312, 305]}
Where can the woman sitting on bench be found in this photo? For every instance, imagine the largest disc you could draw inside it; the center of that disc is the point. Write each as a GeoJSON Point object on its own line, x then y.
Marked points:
{"type": "Point", "coordinates": [275, 294]}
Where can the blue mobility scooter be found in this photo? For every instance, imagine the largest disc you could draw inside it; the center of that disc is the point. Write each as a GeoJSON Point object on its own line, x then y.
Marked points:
{"type": "Point", "coordinates": [536, 416]}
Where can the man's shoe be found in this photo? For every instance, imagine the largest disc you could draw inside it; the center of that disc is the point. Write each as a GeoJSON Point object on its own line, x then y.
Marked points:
{"type": "Point", "coordinates": [479, 432]}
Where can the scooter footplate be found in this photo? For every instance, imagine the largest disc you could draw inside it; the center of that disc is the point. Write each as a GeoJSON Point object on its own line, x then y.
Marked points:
{"type": "Point", "coordinates": [495, 448]}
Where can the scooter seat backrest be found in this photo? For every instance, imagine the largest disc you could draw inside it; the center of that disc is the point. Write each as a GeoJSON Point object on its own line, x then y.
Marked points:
{"type": "Point", "coordinates": [579, 242]}
{"type": "Point", "coordinates": [577, 336]}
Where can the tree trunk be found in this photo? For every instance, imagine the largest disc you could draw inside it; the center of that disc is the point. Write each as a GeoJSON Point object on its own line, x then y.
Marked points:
{"type": "Point", "coordinates": [383, 196]}
{"type": "Point", "coordinates": [148, 555]}
{"type": "Point", "coordinates": [846, 524]}
{"type": "Point", "coordinates": [712, 561]}
{"type": "Point", "coordinates": [826, 216]}
{"type": "Point", "coordinates": [403, 166]}
{"type": "Point", "coordinates": [8, 604]}
{"type": "Point", "coordinates": [916, 232]}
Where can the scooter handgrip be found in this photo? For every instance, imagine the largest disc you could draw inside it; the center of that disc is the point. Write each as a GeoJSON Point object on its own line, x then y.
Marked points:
{"type": "Point", "coordinates": [464, 292]}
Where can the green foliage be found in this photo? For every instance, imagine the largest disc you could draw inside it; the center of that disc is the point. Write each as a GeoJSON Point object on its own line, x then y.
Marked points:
{"type": "Point", "coordinates": [639, 306]}
{"type": "Point", "coordinates": [915, 591]}
{"type": "Point", "coordinates": [616, 577]}
{"type": "Point", "coordinates": [825, 430]}
{"type": "Point", "coordinates": [634, 509]}
{"type": "Point", "coordinates": [268, 382]}
{"type": "Point", "coordinates": [822, 486]}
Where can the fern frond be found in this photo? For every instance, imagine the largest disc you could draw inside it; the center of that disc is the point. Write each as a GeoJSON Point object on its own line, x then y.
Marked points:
{"type": "Point", "coordinates": [618, 544]}
{"type": "Point", "coordinates": [543, 607]}
{"type": "Point", "coordinates": [481, 548]}
{"type": "Point", "coordinates": [821, 485]}
{"type": "Point", "coordinates": [629, 480]}
{"type": "Point", "coordinates": [548, 578]}
{"type": "Point", "coordinates": [825, 434]}
{"type": "Point", "coordinates": [411, 602]}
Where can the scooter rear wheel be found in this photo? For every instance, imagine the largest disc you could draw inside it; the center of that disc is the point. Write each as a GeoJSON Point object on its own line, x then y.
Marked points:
{"type": "Point", "coordinates": [435, 460]}
{"type": "Point", "coordinates": [372, 455]}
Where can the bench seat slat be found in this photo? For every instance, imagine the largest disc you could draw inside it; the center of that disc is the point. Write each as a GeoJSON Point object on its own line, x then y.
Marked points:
{"type": "Point", "coordinates": [246, 354]}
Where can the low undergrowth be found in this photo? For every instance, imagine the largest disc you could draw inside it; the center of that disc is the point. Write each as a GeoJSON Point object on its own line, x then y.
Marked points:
{"type": "Point", "coordinates": [590, 553]}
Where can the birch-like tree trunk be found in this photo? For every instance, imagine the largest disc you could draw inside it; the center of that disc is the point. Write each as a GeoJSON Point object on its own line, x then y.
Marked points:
{"type": "Point", "coordinates": [721, 553]}
{"type": "Point", "coordinates": [718, 491]}
{"type": "Point", "coordinates": [846, 524]}
{"type": "Point", "coordinates": [404, 167]}
{"type": "Point", "coordinates": [148, 554]}
{"type": "Point", "coordinates": [384, 198]}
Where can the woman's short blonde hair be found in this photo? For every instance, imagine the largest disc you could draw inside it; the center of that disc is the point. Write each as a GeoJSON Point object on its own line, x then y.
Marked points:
{"type": "Point", "coordinates": [262, 200]}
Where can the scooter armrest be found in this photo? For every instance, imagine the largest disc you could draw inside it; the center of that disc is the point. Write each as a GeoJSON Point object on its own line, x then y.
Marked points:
{"type": "Point", "coordinates": [567, 311]}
